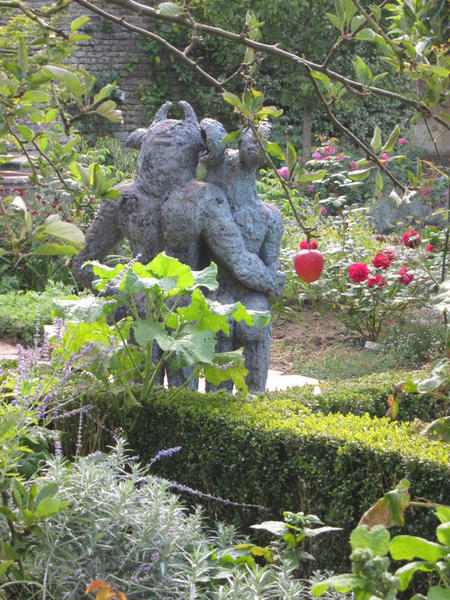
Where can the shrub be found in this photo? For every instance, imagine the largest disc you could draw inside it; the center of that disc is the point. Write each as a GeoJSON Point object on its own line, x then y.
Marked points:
{"type": "Point", "coordinates": [124, 527]}
{"type": "Point", "coordinates": [280, 453]}
{"type": "Point", "coordinates": [21, 313]}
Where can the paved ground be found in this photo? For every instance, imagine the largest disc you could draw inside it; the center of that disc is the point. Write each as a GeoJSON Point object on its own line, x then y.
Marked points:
{"type": "Point", "coordinates": [276, 380]}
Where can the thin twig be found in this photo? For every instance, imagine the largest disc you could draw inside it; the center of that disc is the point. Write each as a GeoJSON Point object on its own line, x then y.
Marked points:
{"type": "Point", "coordinates": [369, 154]}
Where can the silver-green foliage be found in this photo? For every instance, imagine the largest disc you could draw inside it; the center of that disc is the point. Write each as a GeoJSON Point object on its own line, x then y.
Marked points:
{"type": "Point", "coordinates": [124, 527]}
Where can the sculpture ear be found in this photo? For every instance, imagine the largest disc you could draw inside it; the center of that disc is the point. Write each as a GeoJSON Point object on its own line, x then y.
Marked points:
{"type": "Point", "coordinates": [134, 140]}
{"type": "Point", "coordinates": [161, 115]}
{"type": "Point", "coordinates": [189, 113]}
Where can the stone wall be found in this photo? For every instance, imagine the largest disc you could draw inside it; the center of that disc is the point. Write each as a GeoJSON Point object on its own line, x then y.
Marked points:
{"type": "Point", "coordinates": [114, 54]}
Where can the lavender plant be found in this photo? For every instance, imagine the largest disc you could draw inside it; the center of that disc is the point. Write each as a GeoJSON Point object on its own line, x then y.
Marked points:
{"type": "Point", "coordinates": [124, 527]}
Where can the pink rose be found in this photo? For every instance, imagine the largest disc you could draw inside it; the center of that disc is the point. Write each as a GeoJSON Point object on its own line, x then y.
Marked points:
{"type": "Point", "coordinates": [304, 245]}
{"type": "Point", "coordinates": [316, 154]}
{"type": "Point", "coordinates": [401, 141]}
{"type": "Point", "coordinates": [340, 157]}
{"type": "Point", "coordinates": [358, 272]}
{"type": "Point", "coordinates": [411, 238]}
{"type": "Point", "coordinates": [376, 281]}
{"type": "Point", "coordinates": [405, 276]}
{"type": "Point", "coordinates": [381, 261]}
{"type": "Point", "coordinates": [353, 165]}
{"type": "Point", "coordinates": [283, 172]}
{"type": "Point", "coordinates": [426, 191]}
{"type": "Point", "coordinates": [311, 187]}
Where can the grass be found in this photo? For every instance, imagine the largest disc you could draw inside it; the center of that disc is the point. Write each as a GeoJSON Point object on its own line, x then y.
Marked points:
{"type": "Point", "coordinates": [341, 361]}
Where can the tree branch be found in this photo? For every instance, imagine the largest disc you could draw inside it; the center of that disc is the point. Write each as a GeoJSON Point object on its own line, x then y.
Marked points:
{"type": "Point", "coordinates": [370, 155]}
{"type": "Point", "coordinates": [274, 50]}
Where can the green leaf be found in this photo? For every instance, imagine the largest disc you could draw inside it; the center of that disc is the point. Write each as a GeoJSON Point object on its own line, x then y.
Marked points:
{"type": "Point", "coordinates": [336, 21]}
{"type": "Point", "coordinates": [169, 8]}
{"type": "Point", "coordinates": [438, 429]}
{"type": "Point", "coordinates": [395, 198]}
{"type": "Point", "coordinates": [406, 572]}
{"type": "Point", "coordinates": [45, 492]}
{"type": "Point", "coordinates": [67, 77]}
{"type": "Point", "coordinates": [166, 266]}
{"type": "Point", "coordinates": [443, 513]}
{"type": "Point", "coordinates": [225, 366]}
{"type": "Point", "coordinates": [442, 298]}
{"type": "Point", "coordinates": [50, 506]}
{"type": "Point", "coordinates": [206, 278]}
{"type": "Point", "coordinates": [68, 232]}
{"type": "Point", "coordinates": [277, 528]}
{"type": "Point", "coordinates": [392, 140]}
{"type": "Point", "coordinates": [359, 174]}
{"type": "Point", "coordinates": [88, 309]}
{"type": "Point", "coordinates": [443, 533]}
{"type": "Point", "coordinates": [407, 547]}
{"type": "Point", "coordinates": [32, 96]}
{"type": "Point", "coordinates": [322, 77]}
{"type": "Point", "coordinates": [49, 249]}
{"type": "Point", "coordinates": [145, 331]}
{"type": "Point", "coordinates": [8, 551]}
{"type": "Point", "coordinates": [192, 346]}
{"type": "Point", "coordinates": [79, 22]}
{"type": "Point", "coordinates": [342, 583]}
{"type": "Point", "coordinates": [108, 109]}
{"type": "Point", "coordinates": [22, 56]}
{"type": "Point", "coordinates": [375, 539]}
{"type": "Point", "coordinates": [205, 313]}
{"type": "Point", "coordinates": [378, 182]}
{"type": "Point", "coordinates": [291, 157]}
{"type": "Point", "coordinates": [232, 137]}
{"type": "Point", "coordinates": [366, 35]}
{"type": "Point", "coordinates": [4, 566]}
{"type": "Point", "coordinates": [104, 93]}
{"type": "Point", "coordinates": [232, 99]}
{"type": "Point", "coordinates": [363, 73]}
{"type": "Point", "coordinates": [438, 593]}
{"type": "Point", "coordinates": [307, 176]}
{"type": "Point", "coordinates": [274, 150]}
{"type": "Point", "coordinates": [26, 132]}
{"type": "Point", "coordinates": [375, 143]}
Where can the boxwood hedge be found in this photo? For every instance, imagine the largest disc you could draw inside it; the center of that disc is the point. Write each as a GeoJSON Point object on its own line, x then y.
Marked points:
{"type": "Point", "coordinates": [283, 453]}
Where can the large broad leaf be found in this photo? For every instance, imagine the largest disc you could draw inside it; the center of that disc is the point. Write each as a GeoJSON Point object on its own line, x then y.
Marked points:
{"type": "Point", "coordinates": [206, 278]}
{"type": "Point", "coordinates": [389, 510]}
{"type": "Point", "coordinates": [193, 346]}
{"type": "Point", "coordinates": [438, 376]}
{"type": "Point", "coordinates": [443, 513]}
{"type": "Point", "coordinates": [166, 266]}
{"type": "Point", "coordinates": [258, 318]}
{"type": "Point", "coordinates": [438, 593]}
{"type": "Point", "coordinates": [375, 539]}
{"type": "Point", "coordinates": [443, 533]}
{"type": "Point", "coordinates": [406, 572]}
{"type": "Point", "coordinates": [226, 366]}
{"type": "Point", "coordinates": [342, 583]}
{"type": "Point", "coordinates": [146, 331]}
{"type": "Point", "coordinates": [50, 506]}
{"type": "Point", "coordinates": [442, 298]}
{"type": "Point", "coordinates": [407, 547]}
{"type": "Point", "coordinates": [202, 313]}
{"type": "Point", "coordinates": [68, 232]}
{"type": "Point", "coordinates": [438, 430]}
{"type": "Point", "coordinates": [134, 284]}
{"type": "Point", "coordinates": [88, 309]}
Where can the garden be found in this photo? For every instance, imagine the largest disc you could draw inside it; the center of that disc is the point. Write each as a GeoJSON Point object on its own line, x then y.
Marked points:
{"type": "Point", "coordinates": [115, 485]}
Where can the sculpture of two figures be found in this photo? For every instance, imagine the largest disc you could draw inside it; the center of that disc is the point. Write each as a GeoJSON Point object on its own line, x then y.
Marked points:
{"type": "Point", "coordinates": [221, 220]}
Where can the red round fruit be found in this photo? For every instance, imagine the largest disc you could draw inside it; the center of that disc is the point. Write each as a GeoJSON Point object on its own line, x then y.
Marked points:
{"type": "Point", "coordinates": [308, 265]}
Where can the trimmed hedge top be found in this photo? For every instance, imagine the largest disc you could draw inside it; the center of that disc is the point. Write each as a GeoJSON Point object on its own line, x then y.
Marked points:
{"type": "Point", "coordinates": [288, 418]}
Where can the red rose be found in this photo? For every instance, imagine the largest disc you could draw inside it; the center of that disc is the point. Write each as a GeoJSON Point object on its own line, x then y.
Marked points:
{"type": "Point", "coordinates": [381, 261]}
{"type": "Point", "coordinates": [376, 280]}
{"type": "Point", "coordinates": [304, 245]}
{"type": "Point", "coordinates": [390, 255]}
{"type": "Point", "coordinates": [430, 248]}
{"type": "Point", "coordinates": [411, 238]}
{"type": "Point", "coordinates": [405, 276]}
{"type": "Point", "coordinates": [358, 272]}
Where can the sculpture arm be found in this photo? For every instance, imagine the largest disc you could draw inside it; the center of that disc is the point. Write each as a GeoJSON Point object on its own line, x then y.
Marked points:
{"type": "Point", "coordinates": [270, 248]}
{"type": "Point", "coordinates": [225, 242]}
{"type": "Point", "coordinates": [102, 237]}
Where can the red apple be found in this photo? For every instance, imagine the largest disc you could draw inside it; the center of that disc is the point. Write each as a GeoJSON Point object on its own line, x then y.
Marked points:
{"type": "Point", "coordinates": [308, 265]}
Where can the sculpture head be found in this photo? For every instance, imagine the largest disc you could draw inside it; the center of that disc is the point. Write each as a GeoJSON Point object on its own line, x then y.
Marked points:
{"type": "Point", "coordinates": [168, 148]}
{"type": "Point", "coordinates": [212, 133]}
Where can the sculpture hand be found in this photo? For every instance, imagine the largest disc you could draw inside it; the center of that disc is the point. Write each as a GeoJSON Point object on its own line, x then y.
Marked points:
{"type": "Point", "coordinates": [278, 280]}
